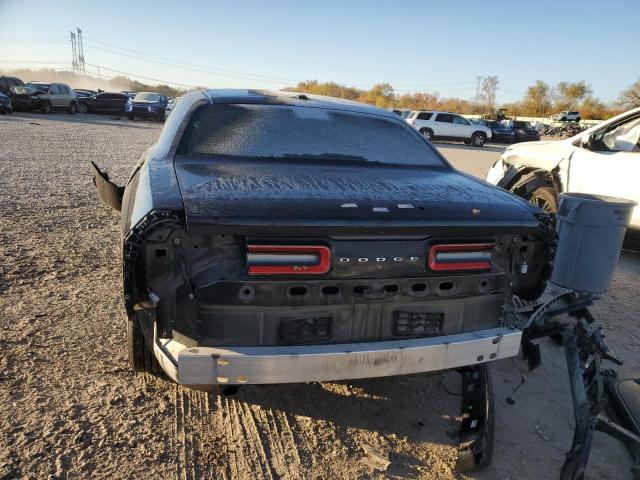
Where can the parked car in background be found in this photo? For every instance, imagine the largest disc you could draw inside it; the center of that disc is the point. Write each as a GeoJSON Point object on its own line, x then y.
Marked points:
{"type": "Point", "coordinates": [45, 97]}
{"type": "Point", "coordinates": [7, 84]}
{"type": "Point", "coordinates": [147, 105]}
{"type": "Point", "coordinates": [449, 126]}
{"type": "Point", "coordinates": [273, 237]}
{"type": "Point", "coordinates": [402, 112]}
{"type": "Point", "coordinates": [604, 160]}
{"type": "Point", "coordinates": [523, 131]}
{"type": "Point", "coordinates": [105, 102]}
{"type": "Point", "coordinates": [567, 116]}
{"type": "Point", "coordinates": [499, 132]}
{"type": "Point", "coordinates": [170, 104]}
{"type": "Point", "coordinates": [5, 104]}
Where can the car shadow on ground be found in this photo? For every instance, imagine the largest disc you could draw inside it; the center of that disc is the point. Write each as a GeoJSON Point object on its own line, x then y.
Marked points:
{"type": "Point", "coordinates": [418, 407]}
{"type": "Point", "coordinates": [94, 119]}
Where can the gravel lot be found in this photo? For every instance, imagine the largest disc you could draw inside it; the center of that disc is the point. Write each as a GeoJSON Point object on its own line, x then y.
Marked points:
{"type": "Point", "coordinates": [73, 410]}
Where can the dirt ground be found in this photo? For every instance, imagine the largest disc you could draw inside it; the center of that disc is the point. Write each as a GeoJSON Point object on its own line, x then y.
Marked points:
{"type": "Point", "coordinates": [72, 409]}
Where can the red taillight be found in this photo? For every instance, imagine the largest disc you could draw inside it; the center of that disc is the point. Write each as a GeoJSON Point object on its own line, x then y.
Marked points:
{"type": "Point", "coordinates": [288, 259]}
{"type": "Point", "coordinates": [460, 256]}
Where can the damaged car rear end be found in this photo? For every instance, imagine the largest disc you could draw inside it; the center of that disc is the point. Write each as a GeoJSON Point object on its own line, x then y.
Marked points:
{"type": "Point", "coordinates": [276, 238]}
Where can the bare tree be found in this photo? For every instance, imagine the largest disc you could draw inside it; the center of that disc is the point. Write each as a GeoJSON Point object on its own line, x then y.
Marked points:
{"type": "Point", "coordinates": [489, 87]}
{"type": "Point", "coordinates": [630, 98]}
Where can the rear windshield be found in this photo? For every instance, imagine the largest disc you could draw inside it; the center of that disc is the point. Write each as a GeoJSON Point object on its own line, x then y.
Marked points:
{"type": "Point", "coordinates": [281, 131]}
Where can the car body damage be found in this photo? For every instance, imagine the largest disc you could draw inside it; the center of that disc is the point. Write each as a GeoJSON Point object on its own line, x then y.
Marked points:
{"type": "Point", "coordinates": [233, 242]}
{"type": "Point", "coordinates": [518, 172]}
{"type": "Point", "coordinates": [604, 159]}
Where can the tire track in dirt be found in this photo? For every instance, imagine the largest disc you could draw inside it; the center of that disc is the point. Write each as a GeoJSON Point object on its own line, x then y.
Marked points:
{"type": "Point", "coordinates": [240, 448]}
{"type": "Point", "coordinates": [191, 409]}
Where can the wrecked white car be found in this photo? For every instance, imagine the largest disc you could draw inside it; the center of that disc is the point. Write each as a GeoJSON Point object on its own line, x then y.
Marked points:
{"type": "Point", "coordinates": [604, 160]}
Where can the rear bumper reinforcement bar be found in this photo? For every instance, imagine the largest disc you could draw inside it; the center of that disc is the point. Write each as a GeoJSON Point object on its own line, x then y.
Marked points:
{"type": "Point", "coordinates": [201, 366]}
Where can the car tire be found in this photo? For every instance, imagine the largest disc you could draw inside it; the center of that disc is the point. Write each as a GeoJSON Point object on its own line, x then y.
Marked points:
{"type": "Point", "coordinates": [545, 198]}
{"type": "Point", "coordinates": [131, 117]}
{"type": "Point", "coordinates": [478, 139]}
{"type": "Point", "coordinates": [73, 108]}
{"type": "Point", "coordinates": [82, 108]}
{"type": "Point", "coordinates": [578, 119]}
{"type": "Point", "coordinates": [141, 357]}
{"type": "Point", "coordinates": [427, 133]}
{"type": "Point", "coordinates": [45, 107]}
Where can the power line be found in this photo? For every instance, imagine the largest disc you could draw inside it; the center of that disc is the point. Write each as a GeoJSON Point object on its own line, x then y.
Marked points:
{"type": "Point", "coordinates": [131, 53]}
{"type": "Point", "coordinates": [140, 76]}
{"type": "Point", "coordinates": [41, 62]}
{"type": "Point", "coordinates": [128, 52]}
{"type": "Point", "coordinates": [185, 67]}
{"type": "Point", "coordinates": [512, 92]}
{"type": "Point", "coordinates": [433, 84]}
{"type": "Point", "coordinates": [31, 37]}
{"type": "Point", "coordinates": [33, 43]}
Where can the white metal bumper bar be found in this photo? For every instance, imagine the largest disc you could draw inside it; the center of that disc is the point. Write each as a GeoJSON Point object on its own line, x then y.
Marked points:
{"type": "Point", "coordinates": [311, 363]}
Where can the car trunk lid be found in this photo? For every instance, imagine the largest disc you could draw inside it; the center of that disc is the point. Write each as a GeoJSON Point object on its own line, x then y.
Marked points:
{"type": "Point", "coordinates": [280, 193]}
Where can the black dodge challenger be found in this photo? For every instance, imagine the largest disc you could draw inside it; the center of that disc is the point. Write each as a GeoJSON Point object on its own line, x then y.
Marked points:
{"type": "Point", "coordinates": [273, 237]}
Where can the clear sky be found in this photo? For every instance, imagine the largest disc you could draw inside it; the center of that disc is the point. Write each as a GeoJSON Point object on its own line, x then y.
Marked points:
{"type": "Point", "coordinates": [414, 45]}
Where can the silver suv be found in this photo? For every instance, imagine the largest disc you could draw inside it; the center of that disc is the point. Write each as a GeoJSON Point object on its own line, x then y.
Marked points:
{"type": "Point", "coordinates": [45, 97]}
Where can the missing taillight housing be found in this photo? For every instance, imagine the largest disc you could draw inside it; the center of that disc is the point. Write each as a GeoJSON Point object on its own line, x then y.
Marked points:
{"type": "Point", "coordinates": [288, 259]}
{"type": "Point", "coordinates": [455, 257]}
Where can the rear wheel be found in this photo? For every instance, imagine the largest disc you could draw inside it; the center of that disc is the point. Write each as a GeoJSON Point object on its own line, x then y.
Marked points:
{"type": "Point", "coordinates": [428, 133]}
{"type": "Point", "coordinates": [545, 199]}
{"type": "Point", "coordinates": [141, 357]}
{"type": "Point", "coordinates": [82, 108]}
{"type": "Point", "coordinates": [45, 106]}
{"type": "Point", "coordinates": [73, 108]}
{"type": "Point", "coordinates": [478, 139]}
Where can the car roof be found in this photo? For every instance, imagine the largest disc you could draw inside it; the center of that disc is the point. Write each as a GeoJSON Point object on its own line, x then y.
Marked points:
{"type": "Point", "coordinates": [292, 99]}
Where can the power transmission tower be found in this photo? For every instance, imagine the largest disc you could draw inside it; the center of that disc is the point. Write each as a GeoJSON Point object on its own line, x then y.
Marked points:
{"type": "Point", "coordinates": [478, 81]}
{"type": "Point", "coordinates": [74, 52]}
{"type": "Point", "coordinates": [80, 52]}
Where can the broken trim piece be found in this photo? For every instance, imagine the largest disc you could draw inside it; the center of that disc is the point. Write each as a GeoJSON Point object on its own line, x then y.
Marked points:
{"type": "Point", "coordinates": [110, 193]}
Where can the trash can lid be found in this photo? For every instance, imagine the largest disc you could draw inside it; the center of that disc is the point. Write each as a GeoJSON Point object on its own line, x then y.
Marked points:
{"type": "Point", "coordinates": [595, 198]}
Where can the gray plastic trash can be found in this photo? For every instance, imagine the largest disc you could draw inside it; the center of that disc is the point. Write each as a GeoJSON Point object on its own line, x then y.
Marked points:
{"type": "Point", "coordinates": [590, 231]}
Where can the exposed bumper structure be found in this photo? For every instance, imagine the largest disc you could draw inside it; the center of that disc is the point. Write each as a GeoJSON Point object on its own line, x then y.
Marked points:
{"type": "Point", "coordinates": [202, 366]}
